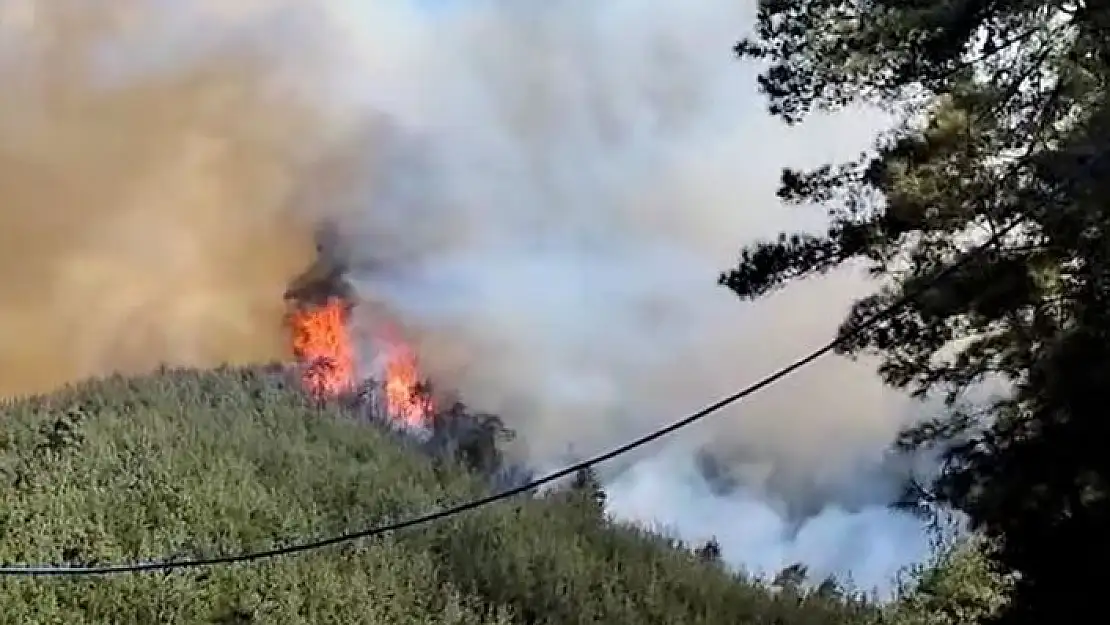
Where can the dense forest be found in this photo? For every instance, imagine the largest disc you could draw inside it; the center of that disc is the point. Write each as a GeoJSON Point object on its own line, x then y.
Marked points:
{"type": "Point", "coordinates": [186, 464]}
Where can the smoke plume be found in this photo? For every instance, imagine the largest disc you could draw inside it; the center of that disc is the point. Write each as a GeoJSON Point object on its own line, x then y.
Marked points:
{"type": "Point", "coordinates": [545, 194]}
{"type": "Point", "coordinates": [147, 156]}
{"type": "Point", "coordinates": [541, 194]}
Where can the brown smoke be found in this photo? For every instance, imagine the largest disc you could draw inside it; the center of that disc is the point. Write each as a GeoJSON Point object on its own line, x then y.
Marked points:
{"type": "Point", "coordinates": [145, 216]}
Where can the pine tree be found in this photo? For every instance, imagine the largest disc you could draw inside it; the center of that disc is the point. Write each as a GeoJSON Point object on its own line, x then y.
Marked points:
{"type": "Point", "coordinates": [586, 490]}
{"type": "Point", "coordinates": [1005, 138]}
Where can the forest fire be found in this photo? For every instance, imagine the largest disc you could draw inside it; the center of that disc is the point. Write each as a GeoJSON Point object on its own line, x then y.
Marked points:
{"type": "Point", "coordinates": [325, 350]}
{"type": "Point", "coordinates": [322, 345]}
{"type": "Point", "coordinates": [404, 397]}
{"type": "Point", "coordinates": [321, 302]}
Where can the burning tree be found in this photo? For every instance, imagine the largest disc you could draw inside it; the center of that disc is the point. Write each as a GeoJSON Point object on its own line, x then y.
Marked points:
{"type": "Point", "coordinates": [322, 347]}
{"type": "Point", "coordinates": [393, 390]}
{"type": "Point", "coordinates": [319, 318]}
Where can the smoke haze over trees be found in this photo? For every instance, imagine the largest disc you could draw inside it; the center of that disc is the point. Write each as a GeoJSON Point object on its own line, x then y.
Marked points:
{"type": "Point", "coordinates": [162, 166]}
{"type": "Point", "coordinates": [477, 161]}
{"type": "Point", "coordinates": [1007, 122]}
{"type": "Point", "coordinates": [186, 463]}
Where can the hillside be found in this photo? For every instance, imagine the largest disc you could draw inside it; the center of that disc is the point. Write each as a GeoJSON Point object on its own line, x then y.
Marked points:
{"type": "Point", "coordinates": [192, 463]}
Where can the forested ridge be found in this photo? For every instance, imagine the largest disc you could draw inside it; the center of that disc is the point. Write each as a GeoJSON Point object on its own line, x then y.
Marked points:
{"type": "Point", "coordinates": [186, 464]}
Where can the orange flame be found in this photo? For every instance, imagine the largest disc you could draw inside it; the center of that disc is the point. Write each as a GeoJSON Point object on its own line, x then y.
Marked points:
{"type": "Point", "coordinates": [403, 396]}
{"type": "Point", "coordinates": [322, 344]}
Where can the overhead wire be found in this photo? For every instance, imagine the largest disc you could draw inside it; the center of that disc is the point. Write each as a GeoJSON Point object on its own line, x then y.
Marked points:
{"type": "Point", "coordinates": [842, 337]}
{"type": "Point", "coordinates": [250, 556]}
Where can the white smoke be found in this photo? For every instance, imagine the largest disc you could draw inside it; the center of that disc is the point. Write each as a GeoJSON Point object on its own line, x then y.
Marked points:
{"type": "Point", "coordinates": [545, 193]}
{"type": "Point", "coordinates": [865, 545]}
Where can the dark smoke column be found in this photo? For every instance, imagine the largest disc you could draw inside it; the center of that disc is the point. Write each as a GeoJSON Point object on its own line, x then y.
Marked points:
{"type": "Point", "coordinates": [325, 279]}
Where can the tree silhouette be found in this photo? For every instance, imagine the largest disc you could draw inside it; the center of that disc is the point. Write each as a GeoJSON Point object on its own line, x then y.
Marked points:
{"type": "Point", "coordinates": [710, 552]}
{"type": "Point", "coordinates": [587, 489]}
{"type": "Point", "coordinates": [1006, 129]}
{"type": "Point", "coordinates": [791, 577]}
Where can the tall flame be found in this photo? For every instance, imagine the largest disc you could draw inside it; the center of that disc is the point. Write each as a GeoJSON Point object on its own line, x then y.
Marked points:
{"type": "Point", "coordinates": [323, 346]}
{"type": "Point", "coordinates": [403, 394]}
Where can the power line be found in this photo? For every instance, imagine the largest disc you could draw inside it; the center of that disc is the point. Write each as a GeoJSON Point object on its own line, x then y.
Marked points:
{"type": "Point", "coordinates": [136, 567]}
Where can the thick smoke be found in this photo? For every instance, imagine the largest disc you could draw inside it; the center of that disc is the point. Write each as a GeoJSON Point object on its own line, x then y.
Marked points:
{"type": "Point", "coordinates": [148, 154]}
{"type": "Point", "coordinates": [540, 193]}
{"type": "Point", "coordinates": [545, 193]}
